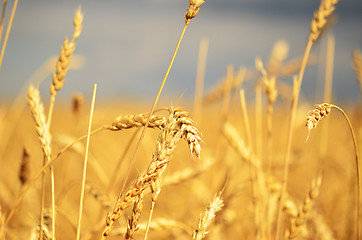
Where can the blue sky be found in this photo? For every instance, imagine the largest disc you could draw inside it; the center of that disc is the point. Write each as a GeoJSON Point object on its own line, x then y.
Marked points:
{"type": "Point", "coordinates": [128, 44]}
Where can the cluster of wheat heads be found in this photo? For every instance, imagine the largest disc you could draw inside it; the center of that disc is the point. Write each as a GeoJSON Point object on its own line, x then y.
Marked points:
{"type": "Point", "coordinates": [121, 193]}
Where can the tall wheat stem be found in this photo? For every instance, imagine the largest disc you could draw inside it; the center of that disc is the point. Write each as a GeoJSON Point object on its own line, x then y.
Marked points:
{"type": "Point", "coordinates": [85, 162]}
{"type": "Point", "coordinates": [8, 32]}
{"type": "Point", "coordinates": [2, 19]}
{"type": "Point", "coordinates": [153, 107]}
{"type": "Point", "coordinates": [357, 166]}
{"type": "Point", "coordinates": [252, 168]}
{"type": "Point", "coordinates": [290, 134]}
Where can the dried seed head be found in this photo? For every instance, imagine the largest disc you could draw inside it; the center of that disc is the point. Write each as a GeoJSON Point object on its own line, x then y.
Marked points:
{"type": "Point", "coordinates": [24, 172]}
{"type": "Point", "coordinates": [193, 10]}
{"type": "Point", "coordinates": [321, 111]}
{"type": "Point", "coordinates": [78, 19]}
{"type": "Point", "coordinates": [42, 129]}
{"type": "Point", "coordinates": [269, 82]}
{"type": "Point", "coordinates": [66, 52]}
{"type": "Point", "coordinates": [325, 10]}
{"type": "Point", "coordinates": [77, 103]}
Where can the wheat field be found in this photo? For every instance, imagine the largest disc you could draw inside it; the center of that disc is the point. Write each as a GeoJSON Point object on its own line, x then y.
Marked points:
{"type": "Point", "coordinates": [249, 158]}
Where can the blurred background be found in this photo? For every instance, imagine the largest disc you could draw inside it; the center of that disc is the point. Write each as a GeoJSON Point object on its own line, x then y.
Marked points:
{"type": "Point", "coordinates": [126, 45]}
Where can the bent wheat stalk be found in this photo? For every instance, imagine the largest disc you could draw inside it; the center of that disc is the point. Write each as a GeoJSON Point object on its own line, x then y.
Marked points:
{"type": "Point", "coordinates": [325, 10]}
{"type": "Point", "coordinates": [314, 117]}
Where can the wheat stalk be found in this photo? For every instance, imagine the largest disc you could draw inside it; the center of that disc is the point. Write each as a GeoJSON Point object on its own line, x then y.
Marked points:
{"type": "Point", "coordinates": [24, 171]}
{"type": "Point", "coordinates": [81, 201]}
{"type": "Point", "coordinates": [137, 120]}
{"type": "Point", "coordinates": [7, 30]}
{"type": "Point", "coordinates": [192, 11]}
{"type": "Point", "coordinates": [2, 228]}
{"type": "Point", "coordinates": [178, 126]}
{"type": "Point", "coordinates": [208, 217]}
{"type": "Point", "coordinates": [62, 64]}
{"type": "Point", "coordinates": [41, 171]}
{"type": "Point", "coordinates": [2, 19]}
{"type": "Point", "coordinates": [42, 129]}
{"type": "Point", "coordinates": [313, 119]}
{"type": "Point", "coordinates": [299, 220]}
{"type": "Point", "coordinates": [134, 219]}
{"type": "Point", "coordinates": [326, 8]}
{"type": "Point", "coordinates": [37, 110]}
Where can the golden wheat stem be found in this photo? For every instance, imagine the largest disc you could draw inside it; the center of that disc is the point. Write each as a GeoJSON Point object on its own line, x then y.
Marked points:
{"type": "Point", "coordinates": [42, 203]}
{"type": "Point", "coordinates": [85, 162]}
{"type": "Point", "coordinates": [2, 19]}
{"type": "Point", "coordinates": [200, 77]}
{"type": "Point", "coordinates": [357, 168]}
{"type": "Point", "coordinates": [51, 108]}
{"type": "Point", "coordinates": [258, 120]}
{"type": "Point", "coordinates": [117, 168]}
{"type": "Point", "coordinates": [290, 135]}
{"type": "Point", "coordinates": [8, 32]}
{"type": "Point", "coordinates": [252, 169]}
{"type": "Point", "coordinates": [326, 8]}
{"type": "Point", "coordinates": [36, 176]}
{"type": "Point", "coordinates": [149, 219]}
{"type": "Point", "coordinates": [327, 92]}
{"type": "Point", "coordinates": [208, 217]}
{"type": "Point", "coordinates": [225, 108]}
{"type": "Point", "coordinates": [154, 106]}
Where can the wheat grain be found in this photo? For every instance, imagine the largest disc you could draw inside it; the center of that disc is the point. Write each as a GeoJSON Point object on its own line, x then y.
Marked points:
{"type": "Point", "coordinates": [326, 8]}
{"type": "Point", "coordinates": [178, 125]}
{"type": "Point", "coordinates": [66, 52]}
{"type": "Point", "coordinates": [269, 82]}
{"type": "Point", "coordinates": [134, 219]}
{"type": "Point", "coordinates": [207, 218]}
{"type": "Point", "coordinates": [77, 103]}
{"type": "Point", "coordinates": [193, 10]}
{"type": "Point", "coordinates": [24, 171]}
{"type": "Point", "coordinates": [306, 207]}
{"type": "Point", "coordinates": [137, 120]}
{"type": "Point", "coordinates": [314, 116]}
{"type": "Point", "coordinates": [37, 110]}
{"type": "Point", "coordinates": [235, 140]}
